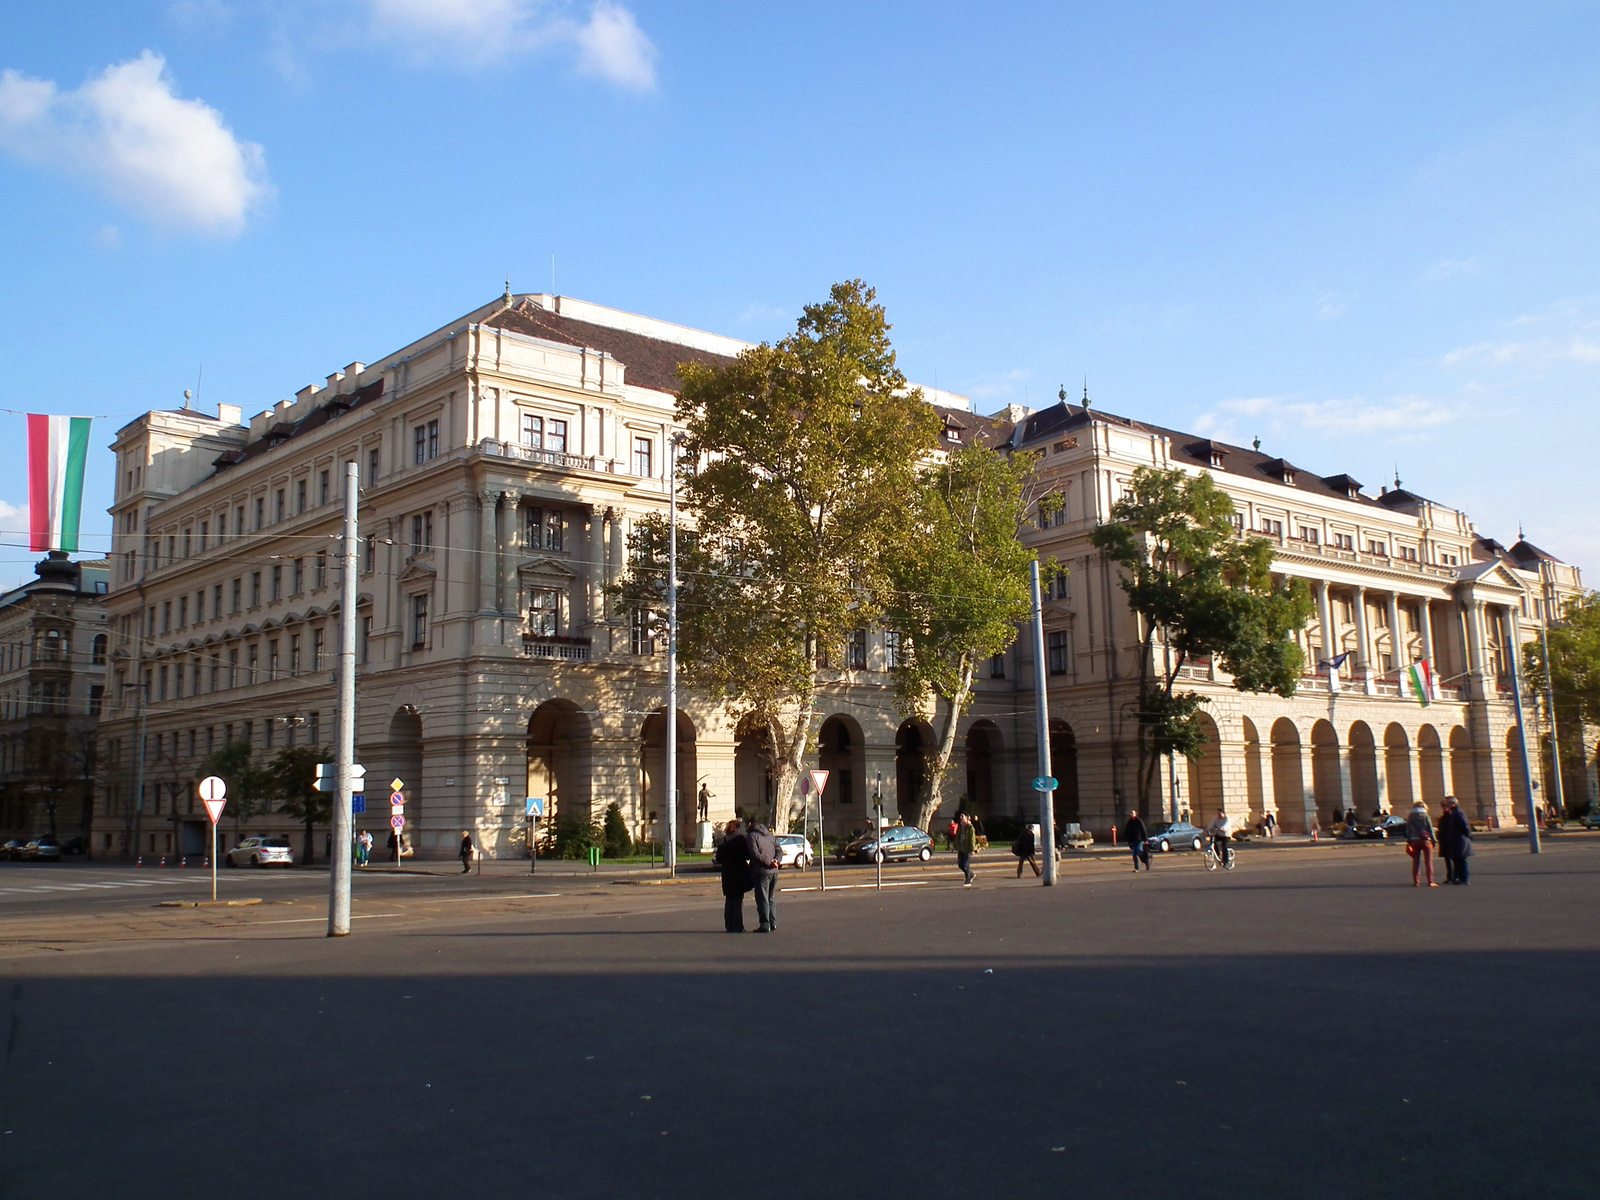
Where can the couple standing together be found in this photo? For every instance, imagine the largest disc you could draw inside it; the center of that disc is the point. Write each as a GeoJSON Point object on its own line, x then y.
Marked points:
{"type": "Point", "coordinates": [749, 862]}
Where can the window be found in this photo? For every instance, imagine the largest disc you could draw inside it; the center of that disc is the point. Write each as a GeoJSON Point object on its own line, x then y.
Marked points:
{"type": "Point", "coordinates": [267, 732]}
{"type": "Point", "coordinates": [552, 529]}
{"type": "Point", "coordinates": [642, 453]}
{"type": "Point", "coordinates": [294, 654]}
{"type": "Point", "coordinates": [183, 611]}
{"type": "Point", "coordinates": [278, 508]}
{"type": "Point", "coordinates": [277, 581]}
{"type": "Point", "coordinates": [299, 577]}
{"type": "Point", "coordinates": [261, 511]}
{"type": "Point", "coordinates": [372, 553]}
{"type": "Point", "coordinates": [205, 527]}
{"type": "Point", "coordinates": [1408, 553]}
{"type": "Point", "coordinates": [97, 652]}
{"type": "Point", "coordinates": [639, 625]}
{"type": "Point", "coordinates": [161, 690]}
{"type": "Point", "coordinates": [188, 542]}
{"type": "Point", "coordinates": [233, 674]}
{"type": "Point", "coordinates": [1343, 541]}
{"type": "Point", "coordinates": [316, 728]}
{"type": "Point", "coordinates": [544, 612]}
{"type": "Point", "coordinates": [556, 437]}
{"type": "Point", "coordinates": [422, 532]}
{"type": "Point", "coordinates": [419, 621]}
{"type": "Point", "coordinates": [216, 673]}
{"type": "Point", "coordinates": [299, 496]}
{"type": "Point", "coordinates": [374, 461]}
{"type": "Point", "coordinates": [426, 441]}
{"type": "Point", "coordinates": [200, 606]}
{"type": "Point", "coordinates": [856, 658]}
{"type": "Point", "coordinates": [1378, 549]}
{"type": "Point", "coordinates": [1058, 653]}
{"type": "Point", "coordinates": [1309, 535]}
{"type": "Point", "coordinates": [254, 664]}
{"type": "Point", "coordinates": [166, 616]}
{"type": "Point", "coordinates": [238, 520]}
{"type": "Point", "coordinates": [272, 658]}
{"type": "Point", "coordinates": [316, 649]}
{"type": "Point", "coordinates": [997, 667]}
{"type": "Point", "coordinates": [532, 431]}
{"type": "Point", "coordinates": [891, 650]}
{"type": "Point", "coordinates": [366, 637]}
{"type": "Point", "coordinates": [216, 602]}
{"type": "Point", "coordinates": [1271, 528]}
{"type": "Point", "coordinates": [322, 569]}
{"type": "Point", "coordinates": [97, 699]}
{"type": "Point", "coordinates": [322, 488]}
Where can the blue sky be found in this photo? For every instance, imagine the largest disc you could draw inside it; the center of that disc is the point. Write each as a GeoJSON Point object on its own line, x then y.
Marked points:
{"type": "Point", "coordinates": [1364, 233]}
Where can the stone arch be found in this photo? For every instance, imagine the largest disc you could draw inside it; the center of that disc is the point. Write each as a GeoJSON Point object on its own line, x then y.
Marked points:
{"type": "Point", "coordinates": [1255, 796]}
{"type": "Point", "coordinates": [1064, 769]}
{"type": "Point", "coordinates": [1327, 781]}
{"type": "Point", "coordinates": [1430, 765]}
{"type": "Point", "coordinates": [1366, 779]}
{"type": "Point", "coordinates": [560, 759]}
{"type": "Point", "coordinates": [913, 747]}
{"type": "Point", "coordinates": [1205, 775]}
{"type": "Point", "coordinates": [1514, 781]}
{"type": "Point", "coordinates": [653, 768]}
{"type": "Point", "coordinates": [983, 748]}
{"type": "Point", "coordinates": [1397, 769]}
{"type": "Point", "coordinates": [1463, 777]}
{"type": "Point", "coordinates": [1288, 784]}
{"type": "Point", "coordinates": [842, 752]}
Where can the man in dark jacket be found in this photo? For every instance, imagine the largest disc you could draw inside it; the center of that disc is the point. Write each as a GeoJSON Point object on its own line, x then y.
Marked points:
{"type": "Point", "coordinates": [733, 856]}
{"type": "Point", "coordinates": [763, 851]}
{"type": "Point", "coordinates": [1455, 841]}
{"type": "Point", "coordinates": [1134, 833]}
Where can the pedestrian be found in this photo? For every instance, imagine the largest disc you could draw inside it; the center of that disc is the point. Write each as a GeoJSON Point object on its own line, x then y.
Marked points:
{"type": "Point", "coordinates": [394, 846]}
{"type": "Point", "coordinates": [1220, 831]}
{"type": "Point", "coordinates": [1134, 833]}
{"type": "Point", "coordinates": [1455, 841]}
{"type": "Point", "coordinates": [466, 851]}
{"type": "Point", "coordinates": [1023, 848]}
{"type": "Point", "coordinates": [966, 843]}
{"type": "Point", "coordinates": [763, 852]}
{"type": "Point", "coordinates": [733, 856]}
{"type": "Point", "coordinates": [366, 847]}
{"type": "Point", "coordinates": [1272, 825]}
{"type": "Point", "coordinates": [1420, 842]}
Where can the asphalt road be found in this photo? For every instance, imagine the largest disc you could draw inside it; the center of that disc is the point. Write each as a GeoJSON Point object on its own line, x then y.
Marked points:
{"type": "Point", "coordinates": [1308, 1025]}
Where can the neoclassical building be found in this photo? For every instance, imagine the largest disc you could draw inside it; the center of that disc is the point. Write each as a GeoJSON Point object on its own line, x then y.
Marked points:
{"type": "Point", "coordinates": [504, 459]}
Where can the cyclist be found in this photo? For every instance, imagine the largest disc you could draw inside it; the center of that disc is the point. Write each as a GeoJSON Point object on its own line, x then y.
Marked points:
{"type": "Point", "coordinates": [1220, 829]}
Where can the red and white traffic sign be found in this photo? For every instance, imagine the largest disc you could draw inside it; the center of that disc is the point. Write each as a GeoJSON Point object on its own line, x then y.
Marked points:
{"type": "Point", "coordinates": [215, 807]}
{"type": "Point", "coordinates": [213, 787]}
{"type": "Point", "coordinates": [397, 799]}
{"type": "Point", "coordinates": [819, 780]}
{"type": "Point", "coordinates": [397, 821]}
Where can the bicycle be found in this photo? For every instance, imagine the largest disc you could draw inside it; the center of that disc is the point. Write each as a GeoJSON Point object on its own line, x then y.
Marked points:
{"type": "Point", "coordinates": [1213, 859]}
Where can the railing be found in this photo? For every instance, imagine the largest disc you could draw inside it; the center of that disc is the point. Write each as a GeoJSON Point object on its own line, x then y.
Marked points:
{"type": "Point", "coordinates": [550, 458]}
{"type": "Point", "coordinates": [570, 649]}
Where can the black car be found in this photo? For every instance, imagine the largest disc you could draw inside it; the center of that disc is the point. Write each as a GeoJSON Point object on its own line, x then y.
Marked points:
{"type": "Point", "coordinates": [1175, 835]}
{"type": "Point", "coordinates": [1390, 826]}
{"type": "Point", "coordinates": [898, 841]}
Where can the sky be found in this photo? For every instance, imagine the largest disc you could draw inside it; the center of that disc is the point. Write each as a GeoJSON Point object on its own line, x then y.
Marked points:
{"type": "Point", "coordinates": [1364, 233]}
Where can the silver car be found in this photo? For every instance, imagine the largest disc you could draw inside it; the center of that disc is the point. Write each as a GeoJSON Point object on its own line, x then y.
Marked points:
{"type": "Point", "coordinates": [793, 851]}
{"type": "Point", "coordinates": [261, 852]}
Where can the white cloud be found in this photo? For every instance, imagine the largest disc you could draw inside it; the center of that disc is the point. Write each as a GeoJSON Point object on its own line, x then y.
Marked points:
{"type": "Point", "coordinates": [1330, 306]}
{"type": "Point", "coordinates": [1453, 268]}
{"type": "Point", "coordinates": [172, 160]}
{"type": "Point", "coordinates": [608, 42]}
{"type": "Point", "coordinates": [13, 517]}
{"type": "Point", "coordinates": [1400, 416]}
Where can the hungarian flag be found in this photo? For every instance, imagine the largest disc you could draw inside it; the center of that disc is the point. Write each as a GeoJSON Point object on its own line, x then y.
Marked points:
{"type": "Point", "coordinates": [1421, 676]}
{"type": "Point", "coordinates": [57, 450]}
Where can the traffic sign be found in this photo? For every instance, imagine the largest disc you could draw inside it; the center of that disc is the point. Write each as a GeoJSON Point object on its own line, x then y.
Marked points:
{"type": "Point", "coordinates": [536, 806]}
{"type": "Point", "coordinates": [1045, 784]}
{"type": "Point", "coordinates": [397, 799]}
{"type": "Point", "coordinates": [213, 787]}
{"type": "Point", "coordinates": [358, 802]}
{"type": "Point", "coordinates": [397, 810]}
{"type": "Point", "coordinates": [328, 777]}
{"type": "Point", "coordinates": [397, 821]}
{"type": "Point", "coordinates": [819, 780]}
{"type": "Point", "coordinates": [396, 784]}
{"type": "Point", "coordinates": [215, 807]}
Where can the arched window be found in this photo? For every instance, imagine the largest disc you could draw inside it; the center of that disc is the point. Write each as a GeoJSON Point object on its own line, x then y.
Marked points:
{"type": "Point", "coordinates": [53, 644]}
{"type": "Point", "coordinates": [99, 652]}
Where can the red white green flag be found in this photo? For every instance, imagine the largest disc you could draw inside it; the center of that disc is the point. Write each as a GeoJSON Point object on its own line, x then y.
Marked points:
{"type": "Point", "coordinates": [1421, 676]}
{"type": "Point", "coordinates": [58, 447]}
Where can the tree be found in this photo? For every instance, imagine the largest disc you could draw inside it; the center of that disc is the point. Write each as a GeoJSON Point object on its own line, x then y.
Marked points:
{"type": "Point", "coordinates": [1573, 676]}
{"type": "Point", "coordinates": [617, 842]}
{"type": "Point", "coordinates": [293, 771]}
{"type": "Point", "coordinates": [961, 590]}
{"type": "Point", "coordinates": [803, 473]}
{"type": "Point", "coordinates": [250, 786]}
{"type": "Point", "coordinates": [1198, 588]}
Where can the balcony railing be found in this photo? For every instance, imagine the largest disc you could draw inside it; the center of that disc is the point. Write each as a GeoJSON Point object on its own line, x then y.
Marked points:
{"type": "Point", "coordinates": [569, 649]}
{"type": "Point", "coordinates": [550, 458]}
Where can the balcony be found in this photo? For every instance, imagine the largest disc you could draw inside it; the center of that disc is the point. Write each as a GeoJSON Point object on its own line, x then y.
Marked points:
{"type": "Point", "coordinates": [568, 649]}
{"type": "Point", "coordinates": [549, 458]}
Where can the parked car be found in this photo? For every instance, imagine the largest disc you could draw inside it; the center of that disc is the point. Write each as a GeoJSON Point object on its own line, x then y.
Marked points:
{"type": "Point", "coordinates": [14, 850]}
{"type": "Point", "coordinates": [1590, 819]}
{"type": "Point", "coordinates": [75, 845]}
{"type": "Point", "coordinates": [1176, 835]}
{"type": "Point", "coordinates": [261, 852]}
{"type": "Point", "coordinates": [44, 848]}
{"type": "Point", "coordinates": [1390, 826]}
{"type": "Point", "coordinates": [793, 851]}
{"type": "Point", "coordinates": [898, 841]}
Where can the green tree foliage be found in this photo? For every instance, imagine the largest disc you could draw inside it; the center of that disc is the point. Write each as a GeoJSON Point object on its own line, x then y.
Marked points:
{"type": "Point", "coordinates": [573, 835]}
{"type": "Point", "coordinates": [617, 842]}
{"type": "Point", "coordinates": [961, 590]}
{"type": "Point", "coordinates": [250, 785]}
{"type": "Point", "coordinates": [1199, 589]}
{"type": "Point", "coordinates": [1573, 676]}
{"type": "Point", "coordinates": [801, 473]}
{"type": "Point", "coordinates": [293, 772]}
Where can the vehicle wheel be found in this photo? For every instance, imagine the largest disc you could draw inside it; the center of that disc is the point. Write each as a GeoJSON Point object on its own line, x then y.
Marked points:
{"type": "Point", "coordinates": [1211, 862]}
{"type": "Point", "coordinates": [927, 853]}
{"type": "Point", "coordinates": [229, 860]}
{"type": "Point", "coordinates": [878, 856]}
{"type": "Point", "coordinates": [1197, 843]}
{"type": "Point", "coordinates": [255, 860]}
{"type": "Point", "coordinates": [1164, 847]}
{"type": "Point", "coordinates": [1229, 863]}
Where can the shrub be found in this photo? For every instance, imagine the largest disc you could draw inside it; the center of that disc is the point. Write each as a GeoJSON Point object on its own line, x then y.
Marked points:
{"type": "Point", "coordinates": [574, 835]}
{"type": "Point", "coordinates": [617, 842]}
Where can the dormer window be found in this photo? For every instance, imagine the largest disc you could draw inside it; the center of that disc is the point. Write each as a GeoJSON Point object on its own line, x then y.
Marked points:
{"type": "Point", "coordinates": [1280, 470]}
{"type": "Point", "coordinates": [1208, 452]}
{"type": "Point", "coordinates": [1347, 487]}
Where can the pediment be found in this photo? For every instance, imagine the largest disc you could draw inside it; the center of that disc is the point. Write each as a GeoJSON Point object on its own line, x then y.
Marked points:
{"type": "Point", "coordinates": [546, 568]}
{"type": "Point", "coordinates": [418, 573]}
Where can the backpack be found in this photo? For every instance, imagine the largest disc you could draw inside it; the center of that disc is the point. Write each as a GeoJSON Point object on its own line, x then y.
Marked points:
{"type": "Point", "coordinates": [954, 828]}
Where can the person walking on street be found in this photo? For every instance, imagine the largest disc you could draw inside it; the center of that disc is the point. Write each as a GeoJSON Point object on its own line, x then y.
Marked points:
{"type": "Point", "coordinates": [733, 856]}
{"type": "Point", "coordinates": [465, 852]}
{"type": "Point", "coordinates": [966, 843]}
{"type": "Point", "coordinates": [1420, 842]}
{"type": "Point", "coordinates": [1023, 848]}
{"type": "Point", "coordinates": [1271, 823]}
{"type": "Point", "coordinates": [763, 851]}
{"type": "Point", "coordinates": [1455, 841]}
{"type": "Point", "coordinates": [394, 846]}
{"type": "Point", "coordinates": [1134, 833]}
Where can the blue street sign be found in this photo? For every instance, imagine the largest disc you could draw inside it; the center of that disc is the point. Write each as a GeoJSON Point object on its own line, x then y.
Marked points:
{"type": "Point", "coordinates": [536, 806]}
{"type": "Point", "coordinates": [358, 802]}
{"type": "Point", "coordinates": [1044, 784]}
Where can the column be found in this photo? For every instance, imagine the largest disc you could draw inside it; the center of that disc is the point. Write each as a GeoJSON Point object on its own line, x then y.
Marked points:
{"type": "Point", "coordinates": [1363, 642]}
{"type": "Point", "coordinates": [1308, 785]}
{"type": "Point", "coordinates": [1425, 625]}
{"type": "Point", "coordinates": [510, 542]}
{"type": "Point", "coordinates": [1324, 618]}
{"type": "Point", "coordinates": [1473, 610]}
{"type": "Point", "coordinates": [595, 548]}
{"type": "Point", "coordinates": [488, 601]}
{"type": "Point", "coordinates": [614, 561]}
{"type": "Point", "coordinates": [1399, 644]}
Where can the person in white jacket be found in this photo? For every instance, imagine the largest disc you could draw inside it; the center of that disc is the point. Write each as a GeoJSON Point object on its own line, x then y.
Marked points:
{"type": "Point", "coordinates": [1221, 830]}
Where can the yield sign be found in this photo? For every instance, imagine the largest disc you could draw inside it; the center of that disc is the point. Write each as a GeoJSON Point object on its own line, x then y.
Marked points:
{"type": "Point", "coordinates": [214, 807]}
{"type": "Point", "coordinates": [819, 780]}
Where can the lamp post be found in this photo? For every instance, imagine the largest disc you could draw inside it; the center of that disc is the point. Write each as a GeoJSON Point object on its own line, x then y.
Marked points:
{"type": "Point", "coordinates": [877, 833]}
{"type": "Point", "coordinates": [671, 855]}
{"type": "Point", "coordinates": [1557, 798]}
{"type": "Point", "coordinates": [138, 766]}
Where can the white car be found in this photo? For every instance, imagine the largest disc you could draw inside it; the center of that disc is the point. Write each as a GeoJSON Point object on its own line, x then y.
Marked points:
{"type": "Point", "coordinates": [793, 851]}
{"type": "Point", "coordinates": [261, 852]}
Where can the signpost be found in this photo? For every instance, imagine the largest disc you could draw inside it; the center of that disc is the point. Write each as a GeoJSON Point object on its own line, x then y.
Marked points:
{"type": "Point", "coordinates": [535, 811]}
{"type": "Point", "coordinates": [819, 781]}
{"type": "Point", "coordinates": [397, 819]}
{"type": "Point", "coordinates": [214, 791]}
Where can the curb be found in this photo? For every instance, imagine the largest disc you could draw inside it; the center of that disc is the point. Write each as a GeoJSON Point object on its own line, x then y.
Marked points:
{"type": "Point", "coordinates": [208, 903]}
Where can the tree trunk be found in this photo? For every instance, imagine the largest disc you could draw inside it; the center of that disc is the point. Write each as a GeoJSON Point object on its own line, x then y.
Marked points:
{"type": "Point", "coordinates": [933, 799]}
{"type": "Point", "coordinates": [789, 750]}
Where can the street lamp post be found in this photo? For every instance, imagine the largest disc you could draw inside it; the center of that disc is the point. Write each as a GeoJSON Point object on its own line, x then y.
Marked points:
{"type": "Point", "coordinates": [1557, 798]}
{"type": "Point", "coordinates": [877, 835]}
{"type": "Point", "coordinates": [343, 817]}
{"type": "Point", "coordinates": [671, 855]}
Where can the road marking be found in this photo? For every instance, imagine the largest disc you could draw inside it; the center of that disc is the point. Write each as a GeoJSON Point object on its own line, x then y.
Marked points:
{"type": "Point", "coordinates": [517, 896]}
{"type": "Point", "coordinates": [844, 887]}
{"type": "Point", "coordinates": [321, 920]}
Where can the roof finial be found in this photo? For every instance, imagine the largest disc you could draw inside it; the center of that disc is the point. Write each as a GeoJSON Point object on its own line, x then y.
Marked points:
{"type": "Point", "coordinates": [1062, 394]}
{"type": "Point", "coordinates": [1257, 445]}
{"type": "Point", "coordinates": [1086, 393]}
{"type": "Point", "coordinates": [1397, 477]}
{"type": "Point", "coordinates": [507, 296]}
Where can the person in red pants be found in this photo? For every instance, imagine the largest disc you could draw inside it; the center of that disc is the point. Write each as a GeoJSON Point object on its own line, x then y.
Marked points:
{"type": "Point", "coordinates": [1420, 842]}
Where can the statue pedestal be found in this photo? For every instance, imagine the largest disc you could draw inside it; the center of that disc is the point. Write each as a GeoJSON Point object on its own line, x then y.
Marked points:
{"type": "Point", "coordinates": [702, 837]}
